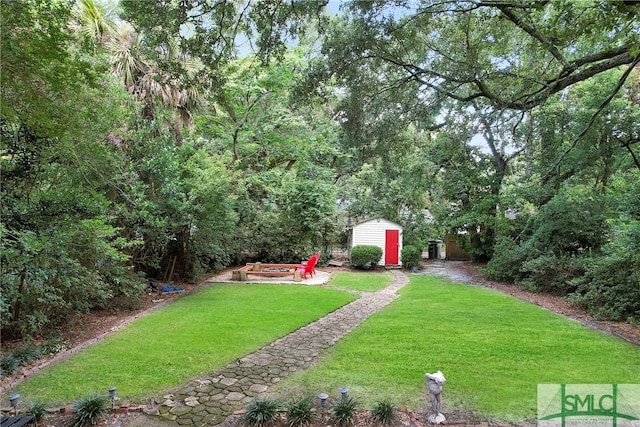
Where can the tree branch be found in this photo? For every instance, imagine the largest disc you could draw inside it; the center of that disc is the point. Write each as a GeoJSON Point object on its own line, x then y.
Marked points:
{"type": "Point", "coordinates": [633, 156]}
{"type": "Point", "coordinates": [533, 33]}
{"type": "Point", "coordinates": [602, 106]}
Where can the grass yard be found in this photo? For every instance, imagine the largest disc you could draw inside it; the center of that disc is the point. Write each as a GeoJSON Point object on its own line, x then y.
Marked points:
{"type": "Point", "coordinates": [493, 349]}
{"type": "Point", "coordinates": [195, 334]}
{"type": "Point", "coordinates": [368, 282]}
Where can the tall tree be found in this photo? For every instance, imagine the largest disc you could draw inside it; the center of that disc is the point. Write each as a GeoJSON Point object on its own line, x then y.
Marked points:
{"type": "Point", "coordinates": [61, 253]}
{"type": "Point", "coordinates": [513, 54]}
{"type": "Point", "coordinates": [212, 30]}
{"type": "Point", "coordinates": [281, 152]}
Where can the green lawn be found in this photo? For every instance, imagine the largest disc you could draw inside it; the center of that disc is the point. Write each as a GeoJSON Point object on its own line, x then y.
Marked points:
{"type": "Point", "coordinates": [195, 334]}
{"type": "Point", "coordinates": [493, 349]}
{"type": "Point", "coordinates": [362, 281]}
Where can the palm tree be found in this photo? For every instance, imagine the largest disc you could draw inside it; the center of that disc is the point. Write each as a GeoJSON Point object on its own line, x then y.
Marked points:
{"type": "Point", "coordinates": [93, 20]}
{"type": "Point", "coordinates": [126, 59]}
{"type": "Point", "coordinates": [151, 85]}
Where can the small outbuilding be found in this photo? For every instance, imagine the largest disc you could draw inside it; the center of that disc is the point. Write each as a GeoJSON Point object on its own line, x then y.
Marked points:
{"type": "Point", "coordinates": [382, 233]}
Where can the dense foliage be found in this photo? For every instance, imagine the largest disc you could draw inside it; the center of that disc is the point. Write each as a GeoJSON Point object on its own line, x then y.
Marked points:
{"type": "Point", "coordinates": [132, 151]}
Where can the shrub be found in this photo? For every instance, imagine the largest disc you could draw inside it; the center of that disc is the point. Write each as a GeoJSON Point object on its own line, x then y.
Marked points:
{"type": "Point", "coordinates": [411, 256]}
{"type": "Point", "coordinates": [13, 360]}
{"type": "Point", "coordinates": [261, 412]}
{"type": "Point", "coordinates": [54, 346]}
{"type": "Point", "coordinates": [383, 413]}
{"type": "Point", "coordinates": [552, 274]}
{"type": "Point", "coordinates": [90, 409]}
{"type": "Point", "coordinates": [9, 365]}
{"type": "Point", "coordinates": [27, 353]}
{"type": "Point", "coordinates": [507, 259]}
{"type": "Point", "coordinates": [38, 409]}
{"type": "Point", "coordinates": [609, 288]}
{"type": "Point", "coordinates": [300, 412]}
{"type": "Point", "coordinates": [365, 256]}
{"type": "Point", "coordinates": [344, 412]}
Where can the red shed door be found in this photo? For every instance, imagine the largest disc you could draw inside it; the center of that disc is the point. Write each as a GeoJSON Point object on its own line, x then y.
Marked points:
{"type": "Point", "coordinates": [391, 246]}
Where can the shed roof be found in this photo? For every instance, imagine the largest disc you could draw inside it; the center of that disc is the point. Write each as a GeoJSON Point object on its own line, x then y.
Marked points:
{"type": "Point", "coordinates": [376, 219]}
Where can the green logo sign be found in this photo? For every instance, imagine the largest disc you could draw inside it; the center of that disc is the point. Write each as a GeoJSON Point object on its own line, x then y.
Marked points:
{"type": "Point", "coordinates": [586, 405]}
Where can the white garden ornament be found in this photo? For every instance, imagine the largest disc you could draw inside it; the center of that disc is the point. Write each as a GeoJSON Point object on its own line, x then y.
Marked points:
{"type": "Point", "coordinates": [434, 384]}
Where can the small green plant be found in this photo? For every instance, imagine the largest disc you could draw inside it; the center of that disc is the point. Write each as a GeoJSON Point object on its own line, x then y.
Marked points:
{"type": "Point", "coordinates": [411, 256]}
{"type": "Point", "coordinates": [344, 412]}
{"type": "Point", "coordinates": [13, 360]}
{"type": "Point", "coordinates": [383, 413]}
{"type": "Point", "coordinates": [9, 365]}
{"type": "Point", "coordinates": [261, 412]}
{"type": "Point", "coordinates": [300, 412]}
{"type": "Point", "coordinates": [38, 409]}
{"type": "Point", "coordinates": [90, 409]}
{"type": "Point", "coordinates": [54, 346]}
{"type": "Point", "coordinates": [365, 256]}
{"type": "Point", "coordinates": [27, 353]}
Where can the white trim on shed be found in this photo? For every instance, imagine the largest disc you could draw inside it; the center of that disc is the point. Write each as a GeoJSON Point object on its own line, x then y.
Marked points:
{"type": "Point", "coordinates": [373, 232]}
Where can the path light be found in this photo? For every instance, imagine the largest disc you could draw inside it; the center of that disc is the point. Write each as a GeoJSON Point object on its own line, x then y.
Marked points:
{"type": "Point", "coordinates": [112, 396]}
{"type": "Point", "coordinates": [14, 400]}
{"type": "Point", "coordinates": [323, 399]}
{"type": "Point", "coordinates": [343, 393]}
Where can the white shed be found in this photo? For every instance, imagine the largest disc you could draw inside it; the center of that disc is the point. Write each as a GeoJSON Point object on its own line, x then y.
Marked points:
{"type": "Point", "coordinates": [379, 232]}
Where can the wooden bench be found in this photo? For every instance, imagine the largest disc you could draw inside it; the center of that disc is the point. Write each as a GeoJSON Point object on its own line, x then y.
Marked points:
{"type": "Point", "coordinates": [17, 420]}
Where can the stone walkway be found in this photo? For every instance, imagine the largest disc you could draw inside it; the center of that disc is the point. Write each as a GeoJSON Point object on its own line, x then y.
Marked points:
{"type": "Point", "coordinates": [209, 400]}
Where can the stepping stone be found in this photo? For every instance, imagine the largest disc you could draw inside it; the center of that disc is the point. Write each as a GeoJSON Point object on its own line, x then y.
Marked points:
{"type": "Point", "coordinates": [258, 388]}
{"type": "Point", "coordinates": [235, 396]}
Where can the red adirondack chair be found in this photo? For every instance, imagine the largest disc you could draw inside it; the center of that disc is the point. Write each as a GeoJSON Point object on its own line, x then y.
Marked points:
{"type": "Point", "coordinates": [309, 267]}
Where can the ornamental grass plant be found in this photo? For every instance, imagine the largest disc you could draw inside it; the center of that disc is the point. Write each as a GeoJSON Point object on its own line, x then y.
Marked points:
{"type": "Point", "coordinates": [261, 412]}
{"type": "Point", "coordinates": [300, 412]}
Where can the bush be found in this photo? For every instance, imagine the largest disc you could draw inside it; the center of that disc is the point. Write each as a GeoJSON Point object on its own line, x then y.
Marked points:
{"type": "Point", "coordinates": [383, 413]}
{"type": "Point", "coordinates": [9, 365]}
{"type": "Point", "coordinates": [365, 256]}
{"type": "Point", "coordinates": [38, 409]}
{"type": "Point", "coordinates": [54, 346]}
{"type": "Point", "coordinates": [27, 353]}
{"type": "Point", "coordinates": [344, 412]}
{"type": "Point", "coordinates": [90, 409]}
{"type": "Point", "coordinates": [507, 259]}
{"type": "Point", "coordinates": [609, 288]}
{"type": "Point", "coordinates": [411, 256]}
{"type": "Point", "coordinates": [300, 412]}
{"type": "Point", "coordinates": [551, 274]}
{"type": "Point", "coordinates": [261, 412]}
{"type": "Point", "coordinates": [13, 360]}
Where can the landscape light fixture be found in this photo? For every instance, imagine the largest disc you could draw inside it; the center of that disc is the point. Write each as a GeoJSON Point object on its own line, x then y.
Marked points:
{"type": "Point", "coordinates": [112, 396]}
{"type": "Point", "coordinates": [343, 393]}
{"type": "Point", "coordinates": [323, 399]}
{"type": "Point", "coordinates": [14, 400]}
